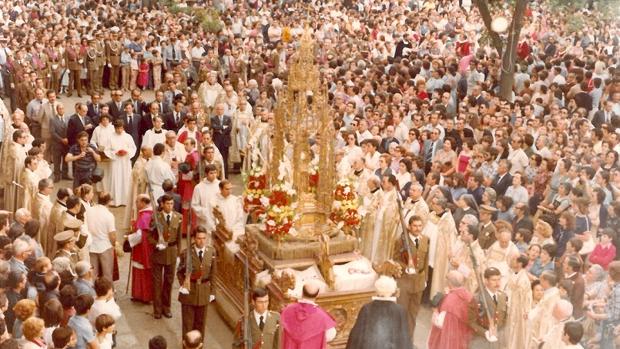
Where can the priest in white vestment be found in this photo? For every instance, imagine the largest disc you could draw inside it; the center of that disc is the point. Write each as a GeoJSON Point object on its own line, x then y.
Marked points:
{"type": "Point", "coordinates": [157, 171]}
{"type": "Point", "coordinates": [156, 134]}
{"type": "Point", "coordinates": [499, 254]}
{"type": "Point", "coordinates": [13, 165]}
{"type": "Point", "coordinates": [42, 208]}
{"type": "Point", "coordinates": [101, 138]}
{"type": "Point", "coordinates": [122, 149]}
{"type": "Point", "coordinates": [204, 193]}
{"type": "Point", "coordinates": [232, 210]}
{"type": "Point", "coordinates": [29, 182]}
{"type": "Point", "coordinates": [387, 222]}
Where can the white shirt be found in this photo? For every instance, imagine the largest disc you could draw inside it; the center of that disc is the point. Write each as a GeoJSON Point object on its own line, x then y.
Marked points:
{"type": "Point", "coordinates": [100, 224]}
{"type": "Point", "coordinates": [257, 317]}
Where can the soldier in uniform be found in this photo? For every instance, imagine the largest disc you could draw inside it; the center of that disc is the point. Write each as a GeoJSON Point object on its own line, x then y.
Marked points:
{"type": "Point", "coordinates": [74, 61]}
{"type": "Point", "coordinates": [487, 228]}
{"type": "Point", "coordinates": [101, 61]}
{"type": "Point", "coordinates": [113, 50]}
{"type": "Point", "coordinates": [412, 282]}
{"type": "Point", "coordinates": [196, 282]}
{"type": "Point", "coordinates": [164, 256]}
{"type": "Point", "coordinates": [92, 65]}
{"type": "Point", "coordinates": [264, 323]}
{"type": "Point", "coordinates": [66, 246]}
{"type": "Point", "coordinates": [477, 315]}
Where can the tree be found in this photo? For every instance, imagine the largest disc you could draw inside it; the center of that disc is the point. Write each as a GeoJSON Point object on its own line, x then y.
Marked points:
{"type": "Point", "coordinates": [507, 50]}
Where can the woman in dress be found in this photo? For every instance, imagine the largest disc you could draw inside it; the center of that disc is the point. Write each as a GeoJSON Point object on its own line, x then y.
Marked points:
{"type": "Point", "coordinates": [143, 74]}
{"type": "Point", "coordinates": [461, 162]}
{"type": "Point", "coordinates": [583, 225]}
{"type": "Point", "coordinates": [351, 149]}
{"type": "Point", "coordinates": [157, 62]}
{"type": "Point", "coordinates": [404, 176]}
{"type": "Point", "coordinates": [446, 154]}
{"type": "Point", "coordinates": [544, 262]}
{"type": "Point", "coordinates": [412, 143]}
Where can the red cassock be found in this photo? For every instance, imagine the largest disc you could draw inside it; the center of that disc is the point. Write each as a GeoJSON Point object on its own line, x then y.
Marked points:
{"type": "Point", "coordinates": [304, 326]}
{"type": "Point", "coordinates": [186, 186]}
{"type": "Point", "coordinates": [455, 333]}
{"type": "Point", "coordinates": [142, 278]}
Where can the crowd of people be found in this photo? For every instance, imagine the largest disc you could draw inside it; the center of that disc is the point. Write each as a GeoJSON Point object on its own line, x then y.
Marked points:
{"type": "Point", "coordinates": [512, 205]}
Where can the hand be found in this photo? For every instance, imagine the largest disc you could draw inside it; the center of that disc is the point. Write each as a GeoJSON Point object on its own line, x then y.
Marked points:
{"type": "Point", "coordinates": [82, 155]}
{"type": "Point", "coordinates": [64, 141]}
{"type": "Point", "coordinates": [88, 127]}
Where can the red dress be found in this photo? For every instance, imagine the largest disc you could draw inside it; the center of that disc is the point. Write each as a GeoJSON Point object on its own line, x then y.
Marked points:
{"type": "Point", "coordinates": [143, 74]}
{"type": "Point", "coordinates": [186, 186]}
{"type": "Point", "coordinates": [455, 333]}
{"type": "Point", "coordinates": [141, 278]}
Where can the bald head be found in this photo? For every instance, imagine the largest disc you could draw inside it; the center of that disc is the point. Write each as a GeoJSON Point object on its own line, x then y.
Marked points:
{"type": "Point", "coordinates": [311, 289]}
{"type": "Point", "coordinates": [562, 310]}
{"type": "Point", "coordinates": [192, 340]}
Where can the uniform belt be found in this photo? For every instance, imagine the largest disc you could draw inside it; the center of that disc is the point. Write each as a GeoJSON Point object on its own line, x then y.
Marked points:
{"type": "Point", "coordinates": [172, 244]}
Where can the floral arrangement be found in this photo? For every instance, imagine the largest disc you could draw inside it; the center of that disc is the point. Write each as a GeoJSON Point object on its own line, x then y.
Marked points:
{"type": "Point", "coordinates": [279, 215]}
{"type": "Point", "coordinates": [345, 212]}
{"type": "Point", "coordinates": [313, 175]}
{"type": "Point", "coordinates": [255, 188]}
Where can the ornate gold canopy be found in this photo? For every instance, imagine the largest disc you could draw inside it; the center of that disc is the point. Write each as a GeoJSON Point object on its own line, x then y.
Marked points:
{"type": "Point", "coordinates": [303, 118]}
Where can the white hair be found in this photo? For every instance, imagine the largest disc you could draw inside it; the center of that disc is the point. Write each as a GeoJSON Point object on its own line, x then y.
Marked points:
{"type": "Point", "coordinates": [20, 246]}
{"type": "Point", "coordinates": [60, 264]}
{"type": "Point", "coordinates": [22, 213]}
{"type": "Point", "coordinates": [563, 309]}
{"type": "Point", "coordinates": [386, 286]}
{"type": "Point", "coordinates": [469, 219]}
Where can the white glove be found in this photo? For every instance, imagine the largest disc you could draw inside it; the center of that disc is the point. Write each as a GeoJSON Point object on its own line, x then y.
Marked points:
{"type": "Point", "coordinates": [160, 247]}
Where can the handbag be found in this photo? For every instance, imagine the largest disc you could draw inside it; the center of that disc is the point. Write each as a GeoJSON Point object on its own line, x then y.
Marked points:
{"type": "Point", "coordinates": [126, 246]}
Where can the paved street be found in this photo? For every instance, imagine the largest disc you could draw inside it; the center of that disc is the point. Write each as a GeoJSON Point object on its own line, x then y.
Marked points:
{"type": "Point", "coordinates": [137, 325]}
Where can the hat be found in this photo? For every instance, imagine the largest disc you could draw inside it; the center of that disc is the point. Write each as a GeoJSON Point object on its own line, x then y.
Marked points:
{"type": "Point", "coordinates": [64, 236]}
{"type": "Point", "coordinates": [82, 268]}
{"type": "Point", "coordinates": [71, 222]}
{"type": "Point", "coordinates": [487, 209]}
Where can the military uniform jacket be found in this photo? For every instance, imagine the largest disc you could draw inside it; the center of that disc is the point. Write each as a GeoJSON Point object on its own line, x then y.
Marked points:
{"type": "Point", "coordinates": [92, 62]}
{"type": "Point", "coordinates": [72, 57]}
{"type": "Point", "coordinates": [486, 238]}
{"type": "Point", "coordinates": [172, 236]}
{"type": "Point", "coordinates": [113, 52]}
{"type": "Point", "coordinates": [73, 256]}
{"type": "Point", "coordinates": [413, 282]}
{"type": "Point", "coordinates": [269, 337]}
{"type": "Point", "coordinates": [477, 316]}
{"type": "Point", "coordinates": [200, 276]}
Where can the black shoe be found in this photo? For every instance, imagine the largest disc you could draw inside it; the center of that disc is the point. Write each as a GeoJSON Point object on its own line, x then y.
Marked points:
{"type": "Point", "coordinates": [157, 316]}
{"type": "Point", "coordinates": [67, 177]}
{"type": "Point", "coordinates": [168, 314]}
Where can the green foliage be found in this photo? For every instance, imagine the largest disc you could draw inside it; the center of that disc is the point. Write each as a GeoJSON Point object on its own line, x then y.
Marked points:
{"type": "Point", "coordinates": [208, 18]}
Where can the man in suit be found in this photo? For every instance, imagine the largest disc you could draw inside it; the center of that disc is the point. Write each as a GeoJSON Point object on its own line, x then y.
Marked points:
{"type": "Point", "coordinates": [146, 122]}
{"type": "Point", "coordinates": [486, 238]}
{"type": "Point", "coordinates": [605, 116]}
{"type": "Point", "coordinates": [79, 122]}
{"type": "Point", "coordinates": [116, 104]}
{"type": "Point", "coordinates": [431, 146]}
{"type": "Point", "coordinates": [389, 138]}
{"type": "Point", "coordinates": [139, 106]}
{"type": "Point", "coordinates": [74, 61]}
{"type": "Point", "coordinates": [94, 107]}
{"type": "Point", "coordinates": [132, 122]}
{"type": "Point", "coordinates": [503, 179]}
{"type": "Point", "coordinates": [264, 323]}
{"type": "Point", "coordinates": [195, 281]}
{"type": "Point", "coordinates": [45, 116]}
{"type": "Point", "coordinates": [414, 269]}
{"type": "Point", "coordinates": [175, 118]}
{"type": "Point", "coordinates": [59, 143]}
{"type": "Point", "coordinates": [572, 272]}
{"type": "Point", "coordinates": [477, 314]}
{"type": "Point", "coordinates": [222, 125]}
{"type": "Point", "coordinates": [164, 256]}
{"type": "Point", "coordinates": [163, 106]}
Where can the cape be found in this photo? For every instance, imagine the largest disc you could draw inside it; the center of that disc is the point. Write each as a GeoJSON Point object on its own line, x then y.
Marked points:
{"type": "Point", "coordinates": [380, 324]}
{"type": "Point", "coordinates": [304, 326]}
{"type": "Point", "coordinates": [456, 332]}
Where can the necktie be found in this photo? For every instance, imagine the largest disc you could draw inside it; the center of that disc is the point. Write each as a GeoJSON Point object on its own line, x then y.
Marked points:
{"type": "Point", "coordinates": [416, 242]}
{"type": "Point", "coordinates": [96, 109]}
{"type": "Point", "coordinates": [429, 155]}
{"type": "Point", "coordinates": [174, 53]}
{"type": "Point", "coordinates": [495, 299]}
{"type": "Point", "coordinates": [200, 255]}
{"type": "Point", "coordinates": [130, 119]}
{"type": "Point", "coordinates": [168, 219]}
{"type": "Point", "coordinates": [176, 117]}
{"type": "Point", "coordinates": [261, 323]}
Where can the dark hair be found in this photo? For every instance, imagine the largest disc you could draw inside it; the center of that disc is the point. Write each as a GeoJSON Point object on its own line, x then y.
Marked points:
{"type": "Point", "coordinates": [550, 276]}
{"type": "Point", "coordinates": [576, 243]}
{"type": "Point", "coordinates": [259, 292]}
{"type": "Point", "coordinates": [104, 198]}
{"type": "Point", "coordinates": [523, 260]}
{"type": "Point", "coordinates": [103, 321]}
{"type": "Point", "coordinates": [102, 286]}
{"type": "Point", "coordinates": [492, 271]}
{"type": "Point", "coordinates": [158, 342]}
{"type": "Point", "coordinates": [52, 312]}
{"type": "Point", "coordinates": [210, 168]}
{"type": "Point", "coordinates": [68, 294]}
{"type": "Point", "coordinates": [534, 284]}
{"type": "Point", "coordinates": [223, 183]}
{"type": "Point", "coordinates": [62, 193]}
{"type": "Point", "coordinates": [83, 303]}
{"type": "Point", "coordinates": [574, 263]}
{"type": "Point", "coordinates": [51, 280]}
{"type": "Point", "coordinates": [551, 249]}
{"type": "Point", "coordinates": [473, 230]}
{"type": "Point", "coordinates": [574, 331]}
{"type": "Point", "coordinates": [165, 198]}
{"type": "Point", "coordinates": [167, 185]}
{"type": "Point", "coordinates": [31, 228]}
{"type": "Point", "coordinates": [72, 201]}
{"type": "Point", "coordinates": [62, 336]}
{"type": "Point", "coordinates": [15, 278]}
{"type": "Point", "coordinates": [158, 149]}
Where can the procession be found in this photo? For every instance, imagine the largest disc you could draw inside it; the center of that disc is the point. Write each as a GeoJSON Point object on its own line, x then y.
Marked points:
{"type": "Point", "coordinates": [281, 174]}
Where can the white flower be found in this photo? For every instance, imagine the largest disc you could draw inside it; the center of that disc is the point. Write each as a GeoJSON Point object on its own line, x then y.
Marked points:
{"type": "Point", "coordinates": [271, 222]}
{"type": "Point", "coordinates": [277, 209]}
{"type": "Point", "coordinates": [340, 225]}
{"type": "Point", "coordinates": [347, 190]}
{"type": "Point", "coordinates": [250, 197]}
{"type": "Point", "coordinates": [292, 231]}
{"type": "Point", "coordinates": [337, 205]}
{"type": "Point", "coordinates": [264, 201]}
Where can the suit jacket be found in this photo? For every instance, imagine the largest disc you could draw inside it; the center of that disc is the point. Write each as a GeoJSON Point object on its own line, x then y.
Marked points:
{"type": "Point", "coordinates": [427, 147]}
{"type": "Point", "coordinates": [134, 129]}
{"type": "Point", "coordinates": [500, 186]}
{"type": "Point", "coordinates": [577, 293]}
{"type": "Point", "coordinates": [221, 131]}
{"type": "Point", "coordinates": [146, 122]}
{"type": "Point", "coordinates": [413, 282]}
{"type": "Point", "coordinates": [141, 106]}
{"type": "Point", "coordinates": [58, 131]}
{"type": "Point", "coordinates": [599, 118]}
{"type": "Point", "coordinates": [477, 316]}
{"type": "Point", "coordinates": [385, 144]}
{"type": "Point", "coordinates": [486, 238]}
{"type": "Point", "coordinates": [45, 115]}
{"type": "Point", "coordinates": [94, 115]}
{"type": "Point", "coordinates": [269, 336]}
{"type": "Point", "coordinates": [172, 236]}
{"type": "Point", "coordinates": [164, 107]}
{"type": "Point", "coordinates": [75, 126]}
{"type": "Point", "coordinates": [16, 265]}
{"type": "Point", "coordinates": [200, 276]}
{"type": "Point", "coordinates": [114, 110]}
{"type": "Point", "coordinates": [169, 122]}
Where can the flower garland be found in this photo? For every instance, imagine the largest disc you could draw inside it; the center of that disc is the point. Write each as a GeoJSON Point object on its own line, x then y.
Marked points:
{"type": "Point", "coordinates": [345, 212]}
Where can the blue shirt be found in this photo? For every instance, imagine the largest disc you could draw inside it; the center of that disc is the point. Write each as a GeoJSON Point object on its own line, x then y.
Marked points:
{"type": "Point", "coordinates": [83, 330]}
